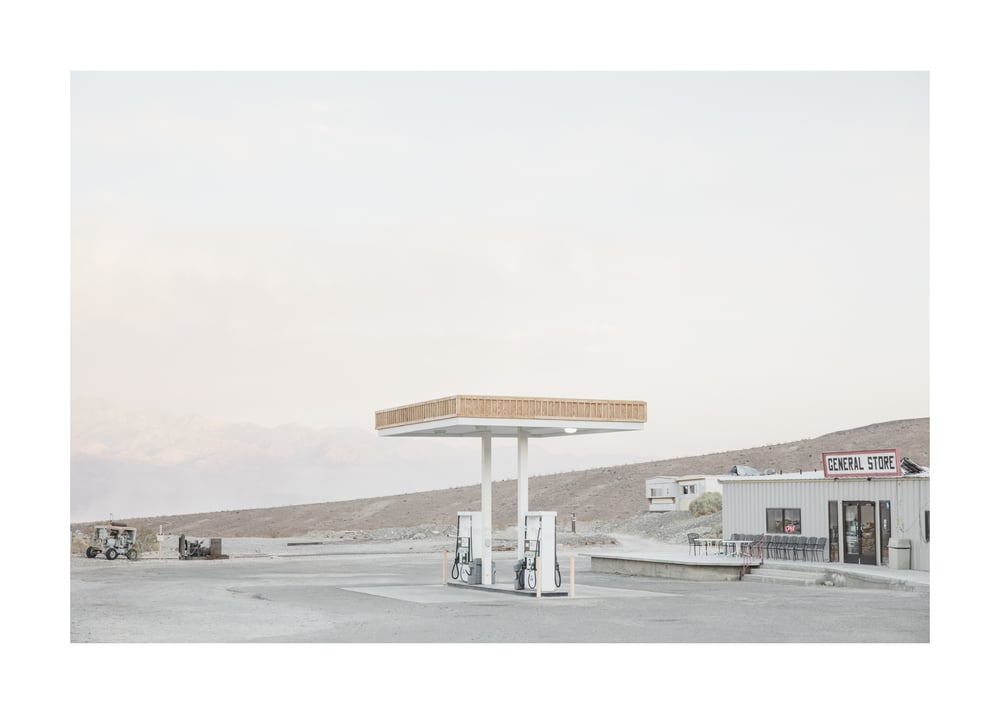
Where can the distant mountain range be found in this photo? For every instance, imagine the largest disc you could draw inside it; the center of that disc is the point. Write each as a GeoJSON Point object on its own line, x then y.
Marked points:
{"type": "Point", "coordinates": [129, 465]}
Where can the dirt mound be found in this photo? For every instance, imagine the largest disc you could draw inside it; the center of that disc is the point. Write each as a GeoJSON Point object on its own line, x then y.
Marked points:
{"type": "Point", "coordinates": [611, 498]}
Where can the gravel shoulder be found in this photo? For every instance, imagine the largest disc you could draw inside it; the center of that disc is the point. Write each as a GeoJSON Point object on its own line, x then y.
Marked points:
{"type": "Point", "coordinates": [643, 531]}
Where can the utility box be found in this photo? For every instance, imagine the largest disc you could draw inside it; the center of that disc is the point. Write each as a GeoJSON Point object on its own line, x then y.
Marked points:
{"type": "Point", "coordinates": [476, 573]}
{"type": "Point", "coordinates": [899, 553]}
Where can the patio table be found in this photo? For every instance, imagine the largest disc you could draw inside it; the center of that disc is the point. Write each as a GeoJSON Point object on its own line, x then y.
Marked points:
{"type": "Point", "coordinates": [706, 542]}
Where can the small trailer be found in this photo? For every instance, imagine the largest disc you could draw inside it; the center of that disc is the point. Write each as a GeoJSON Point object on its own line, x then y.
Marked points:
{"type": "Point", "coordinates": [113, 540]}
{"type": "Point", "coordinates": [191, 549]}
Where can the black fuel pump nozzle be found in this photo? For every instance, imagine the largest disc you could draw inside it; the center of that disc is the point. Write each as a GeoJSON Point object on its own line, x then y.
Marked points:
{"type": "Point", "coordinates": [528, 565]}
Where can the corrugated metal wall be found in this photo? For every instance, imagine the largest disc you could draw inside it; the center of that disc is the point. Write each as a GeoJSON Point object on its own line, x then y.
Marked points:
{"type": "Point", "coordinates": [745, 505]}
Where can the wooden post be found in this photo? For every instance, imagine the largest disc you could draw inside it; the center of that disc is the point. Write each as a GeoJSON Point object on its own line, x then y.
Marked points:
{"type": "Point", "coordinates": [444, 567]}
{"type": "Point", "coordinates": [572, 576]}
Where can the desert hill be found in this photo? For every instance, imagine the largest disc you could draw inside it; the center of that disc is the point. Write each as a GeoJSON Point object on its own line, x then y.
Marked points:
{"type": "Point", "coordinates": [606, 493]}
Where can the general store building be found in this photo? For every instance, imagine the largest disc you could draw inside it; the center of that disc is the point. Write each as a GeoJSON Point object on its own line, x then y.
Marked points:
{"type": "Point", "coordinates": [862, 516]}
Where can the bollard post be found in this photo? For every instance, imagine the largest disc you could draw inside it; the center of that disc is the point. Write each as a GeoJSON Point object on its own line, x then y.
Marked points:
{"type": "Point", "coordinates": [538, 577]}
{"type": "Point", "coordinates": [444, 567]}
{"type": "Point", "coordinates": [572, 576]}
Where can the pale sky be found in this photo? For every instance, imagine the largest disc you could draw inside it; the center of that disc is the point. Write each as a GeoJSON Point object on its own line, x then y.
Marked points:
{"type": "Point", "coordinates": [747, 252]}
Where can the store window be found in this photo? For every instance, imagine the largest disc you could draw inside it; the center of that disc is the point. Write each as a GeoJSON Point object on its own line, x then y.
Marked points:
{"type": "Point", "coordinates": [784, 520]}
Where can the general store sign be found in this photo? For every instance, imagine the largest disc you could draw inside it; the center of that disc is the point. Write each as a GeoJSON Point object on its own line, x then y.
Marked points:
{"type": "Point", "coordinates": [879, 462]}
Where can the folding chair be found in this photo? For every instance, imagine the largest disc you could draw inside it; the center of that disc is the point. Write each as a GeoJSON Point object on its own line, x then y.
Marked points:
{"type": "Point", "coordinates": [797, 545]}
{"type": "Point", "coordinates": [782, 546]}
{"type": "Point", "coordinates": [809, 548]}
{"type": "Point", "coordinates": [820, 550]}
{"type": "Point", "coordinates": [734, 536]}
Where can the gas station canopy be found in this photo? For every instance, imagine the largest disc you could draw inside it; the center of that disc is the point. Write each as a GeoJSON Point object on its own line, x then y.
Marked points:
{"type": "Point", "coordinates": [474, 416]}
{"type": "Point", "coordinates": [479, 416]}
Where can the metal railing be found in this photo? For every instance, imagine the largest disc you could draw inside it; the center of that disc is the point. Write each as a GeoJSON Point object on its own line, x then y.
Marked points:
{"type": "Point", "coordinates": [753, 554]}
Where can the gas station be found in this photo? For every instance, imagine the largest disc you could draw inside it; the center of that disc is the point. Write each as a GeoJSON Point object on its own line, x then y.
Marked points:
{"type": "Point", "coordinates": [521, 418]}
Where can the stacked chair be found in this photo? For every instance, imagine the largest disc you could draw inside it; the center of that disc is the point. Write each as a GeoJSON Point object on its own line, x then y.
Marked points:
{"type": "Point", "coordinates": [775, 546]}
{"type": "Point", "coordinates": [817, 549]}
{"type": "Point", "coordinates": [809, 547]}
{"type": "Point", "coordinates": [780, 542]}
{"type": "Point", "coordinates": [793, 547]}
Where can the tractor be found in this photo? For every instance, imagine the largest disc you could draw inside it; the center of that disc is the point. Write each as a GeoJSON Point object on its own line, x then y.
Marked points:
{"type": "Point", "coordinates": [113, 539]}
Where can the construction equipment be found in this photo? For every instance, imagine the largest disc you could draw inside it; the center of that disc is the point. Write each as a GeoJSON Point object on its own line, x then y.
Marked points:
{"type": "Point", "coordinates": [191, 549]}
{"type": "Point", "coordinates": [113, 539]}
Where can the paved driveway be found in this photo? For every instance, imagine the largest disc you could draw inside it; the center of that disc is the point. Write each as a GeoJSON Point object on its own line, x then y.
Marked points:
{"type": "Point", "coordinates": [385, 595]}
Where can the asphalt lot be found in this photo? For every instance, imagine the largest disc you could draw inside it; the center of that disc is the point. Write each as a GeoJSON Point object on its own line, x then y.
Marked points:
{"type": "Point", "coordinates": [392, 593]}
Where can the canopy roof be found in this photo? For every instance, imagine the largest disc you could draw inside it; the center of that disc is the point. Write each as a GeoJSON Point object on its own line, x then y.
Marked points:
{"type": "Point", "coordinates": [477, 416]}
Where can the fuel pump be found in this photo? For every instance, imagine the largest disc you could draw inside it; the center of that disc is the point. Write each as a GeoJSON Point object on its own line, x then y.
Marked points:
{"type": "Point", "coordinates": [539, 553]}
{"type": "Point", "coordinates": [467, 543]}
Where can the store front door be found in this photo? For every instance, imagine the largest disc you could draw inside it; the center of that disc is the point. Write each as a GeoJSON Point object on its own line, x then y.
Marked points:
{"type": "Point", "coordinates": [859, 532]}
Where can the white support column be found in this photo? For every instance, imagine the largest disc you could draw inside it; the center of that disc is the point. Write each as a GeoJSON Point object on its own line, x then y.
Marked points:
{"type": "Point", "coordinates": [522, 490]}
{"type": "Point", "coordinates": [486, 501]}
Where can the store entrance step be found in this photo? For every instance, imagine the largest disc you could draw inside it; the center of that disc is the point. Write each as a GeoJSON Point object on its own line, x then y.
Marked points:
{"type": "Point", "coordinates": [783, 577]}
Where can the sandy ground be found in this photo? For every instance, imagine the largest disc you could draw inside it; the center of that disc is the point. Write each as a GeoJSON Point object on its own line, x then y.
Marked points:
{"type": "Point", "coordinates": [389, 592]}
